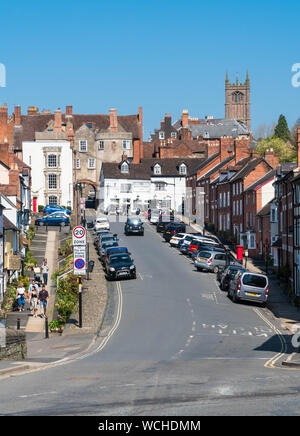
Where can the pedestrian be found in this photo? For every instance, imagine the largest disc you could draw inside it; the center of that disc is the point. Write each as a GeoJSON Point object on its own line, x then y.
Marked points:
{"type": "Point", "coordinates": [20, 296]}
{"type": "Point", "coordinates": [45, 270]}
{"type": "Point", "coordinates": [43, 299]}
{"type": "Point", "coordinates": [37, 273]}
{"type": "Point", "coordinates": [34, 301]}
{"type": "Point", "coordinates": [33, 287]}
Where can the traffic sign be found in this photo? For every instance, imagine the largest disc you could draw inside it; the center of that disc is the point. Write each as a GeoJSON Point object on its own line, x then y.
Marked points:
{"type": "Point", "coordinates": [79, 235]}
{"type": "Point", "coordinates": [79, 266]}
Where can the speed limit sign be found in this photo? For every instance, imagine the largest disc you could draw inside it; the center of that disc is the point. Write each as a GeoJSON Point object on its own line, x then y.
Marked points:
{"type": "Point", "coordinates": [79, 235]}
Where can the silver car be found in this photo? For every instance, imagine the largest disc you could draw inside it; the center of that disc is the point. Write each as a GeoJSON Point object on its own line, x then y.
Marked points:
{"type": "Point", "coordinates": [249, 286]}
{"type": "Point", "coordinates": [210, 261]}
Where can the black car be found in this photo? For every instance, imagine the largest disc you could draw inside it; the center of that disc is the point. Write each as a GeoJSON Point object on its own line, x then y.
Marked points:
{"type": "Point", "coordinates": [172, 229]}
{"type": "Point", "coordinates": [120, 265]}
{"type": "Point", "coordinates": [161, 225]}
{"type": "Point", "coordinates": [134, 225]}
{"type": "Point", "coordinates": [228, 274]}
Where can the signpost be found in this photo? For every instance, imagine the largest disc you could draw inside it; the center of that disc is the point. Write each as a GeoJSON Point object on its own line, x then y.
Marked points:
{"type": "Point", "coordinates": [80, 261]}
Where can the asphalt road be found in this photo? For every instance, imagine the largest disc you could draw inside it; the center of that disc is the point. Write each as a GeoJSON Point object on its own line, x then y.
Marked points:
{"type": "Point", "coordinates": [176, 346]}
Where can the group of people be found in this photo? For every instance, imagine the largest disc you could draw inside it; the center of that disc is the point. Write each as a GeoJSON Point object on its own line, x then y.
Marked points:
{"type": "Point", "coordinates": [36, 296]}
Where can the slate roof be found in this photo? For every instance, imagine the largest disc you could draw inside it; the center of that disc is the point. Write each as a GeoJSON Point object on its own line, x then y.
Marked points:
{"type": "Point", "coordinates": [215, 128]}
{"type": "Point", "coordinates": [8, 225]}
{"type": "Point", "coordinates": [216, 167]}
{"type": "Point", "coordinates": [205, 162]}
{"type": "Point", "coordinates": [144, 170]}
{"type": "Point", "coordinates": [267, 177]}
{"type": "Point", "coordinates": [253, 162]}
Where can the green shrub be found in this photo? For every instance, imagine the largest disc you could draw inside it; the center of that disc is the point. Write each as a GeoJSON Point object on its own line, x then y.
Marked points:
{"type": "Point", "coordinates": [41, 208]}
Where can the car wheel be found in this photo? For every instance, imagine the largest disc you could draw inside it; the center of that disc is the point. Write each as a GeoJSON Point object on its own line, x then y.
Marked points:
{"type": "Point", "coordinates": [235, 299]}
{"type": "Point", "coordinates": [264, 304]}
{"type": "Point", "coordinates": [198, 268]}
{"type": "Point", "coordinates": [216, 269]}
{"type": "Point", "coordinates": [142, 234]}
{"type": "Point", "coordinates": [41, 224]}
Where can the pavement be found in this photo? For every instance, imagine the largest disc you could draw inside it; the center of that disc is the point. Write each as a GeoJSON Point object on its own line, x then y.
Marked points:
{"type": "Point", "coordinates": [279, 304]}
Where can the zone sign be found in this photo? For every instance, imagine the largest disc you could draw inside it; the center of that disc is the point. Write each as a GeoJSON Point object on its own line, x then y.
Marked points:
{"type": "Point", "coordinates": [79, 235]}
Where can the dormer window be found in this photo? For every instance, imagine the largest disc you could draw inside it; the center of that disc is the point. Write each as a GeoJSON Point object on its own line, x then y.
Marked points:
{"type": "Point", "coordinates": [182, 169]}
{"type": "Point", "coordinates": [161, 135]}
{"type": "Point", "coordinates": [157, 169]}
{"type": "Point", "coordinates": [124, 168]}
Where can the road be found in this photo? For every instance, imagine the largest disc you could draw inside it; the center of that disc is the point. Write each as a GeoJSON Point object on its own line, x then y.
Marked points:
{"type": "Point", "coordinates": [175, 345]}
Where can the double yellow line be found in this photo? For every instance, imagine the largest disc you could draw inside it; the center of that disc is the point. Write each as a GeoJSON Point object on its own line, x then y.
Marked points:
{"type": "Point", "coordinates": [271, 362]}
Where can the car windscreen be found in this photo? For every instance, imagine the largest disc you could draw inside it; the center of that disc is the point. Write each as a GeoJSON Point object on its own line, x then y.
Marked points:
{"type": "Point", "coordinates": [134, 222]}
{"type": "Point", "coordinates": [119, 259]}
{"type": "Point", "coordinates": [109, 244]}
{"type": "Point", "coordinates": [179, 235]}
{"type": "Point", "coordinates": [189, 238]}
{"type": "Point", "coordinates": [255, 281]}
{"type": "Point", "coordinates": [205, 254]}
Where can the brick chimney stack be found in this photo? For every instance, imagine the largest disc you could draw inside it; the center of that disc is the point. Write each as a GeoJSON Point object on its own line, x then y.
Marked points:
{"type": "Point", "coordinates": [57, 120]}
{"type": "Point", "coordinates": [113, 119]}
{"type": "Point", "coordinates": [3, 123]}
{"type": "Point", "coordinates": [17, 115]}
{"type": "Point", "coordinates": [226, 147]}
{"type": "Point", "coordinates": [271, 158]}
{"type": "Point", "coordinates": [186, 134]}
{"type": "Point", "coordinates": [242, 148]}
{"type": "Point", "coordinates": [32, 110]}
{"type": "Point", "coordinates": [185, 118]}
{"type": "Point", "coordinates": [69, 111]}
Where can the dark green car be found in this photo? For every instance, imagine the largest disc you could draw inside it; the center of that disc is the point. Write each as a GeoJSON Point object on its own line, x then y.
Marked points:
{"type": "Point", "coordinates": [134, 226]}
{"type": "Point", "coordinates": [120, 266]}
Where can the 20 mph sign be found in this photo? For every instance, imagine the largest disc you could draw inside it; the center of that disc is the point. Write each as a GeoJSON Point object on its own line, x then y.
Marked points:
{"type": "Point", "coordinates": [79, 236]}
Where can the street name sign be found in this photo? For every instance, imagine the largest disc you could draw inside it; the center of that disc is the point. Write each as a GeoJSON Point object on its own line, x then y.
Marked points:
{"type": "Point", "coordinates": [79, 236]}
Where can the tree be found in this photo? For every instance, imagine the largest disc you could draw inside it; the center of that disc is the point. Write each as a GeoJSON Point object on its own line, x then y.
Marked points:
{"type": "Point", "coordinates": [264, 131]}
{"type": "Point", "coordinates": [284, 150]}
{"type": "Point", "coordinates": [282, 130]}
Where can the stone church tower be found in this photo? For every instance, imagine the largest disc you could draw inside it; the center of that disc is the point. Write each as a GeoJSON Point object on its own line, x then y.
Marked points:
{"type": "Point", "coordinates": [237, 100]}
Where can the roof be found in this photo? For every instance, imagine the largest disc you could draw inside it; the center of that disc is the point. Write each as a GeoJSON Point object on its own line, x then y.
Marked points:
{"type": "Point", "coordinates": [264, 211]}
{"type": "Point", "coordinates": [216, 167]}
{"type": "Point", "coordinates": [39, 123]}
{"type": "Point", "coordinates": [205, 162]}
{"type": "Point", "coordinates": [248, 167]}
{"type": "Point", "coordinates": [8, 225]}
{"type": "Point", "coordinates": [8, 189]}
{"type": "Point", "coordinates": [264, 179]}
{"type": "Point", "coordinates": [215, 128]}
{"type": "Point", "coordinates": [144, 169]}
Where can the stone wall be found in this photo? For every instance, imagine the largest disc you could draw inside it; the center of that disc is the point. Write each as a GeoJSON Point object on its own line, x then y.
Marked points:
{"type": "Point", "coordinates": [16, 347]}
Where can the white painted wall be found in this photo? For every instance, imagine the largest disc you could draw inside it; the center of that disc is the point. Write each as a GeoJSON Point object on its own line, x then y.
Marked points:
{"type": "Point", "coordinates": [33, 156]}
{"type": "Point", "coordinates": [267, 192]}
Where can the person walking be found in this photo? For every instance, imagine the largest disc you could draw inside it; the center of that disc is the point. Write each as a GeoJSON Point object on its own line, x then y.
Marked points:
{"type": "Point", "coordinates": [45, 270]}
{"type": "Point", "coordinates": [34, 301]}
{"type": "Point", "coordinates": [43, 299]}
{"type": "Point", "coordinates": [37, 273]}
{"type": "Point", "coordinates": [20, 296]}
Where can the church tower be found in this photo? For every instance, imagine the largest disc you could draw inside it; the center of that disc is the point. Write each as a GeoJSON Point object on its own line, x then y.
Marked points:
{"type": "Point", "coordinates": [237, 100]}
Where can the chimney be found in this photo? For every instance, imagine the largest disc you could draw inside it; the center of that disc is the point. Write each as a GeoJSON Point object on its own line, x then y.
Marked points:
{"type": "Point", "coordinates": [298, 147]}
{"type": "Point", "coordinates": [71, 137]}
{"type": "Point", "coordinates": [4, 155]}
{"type": "Point", "coordinates": [3, 123]}
{"type": "Point", "coordinates": [226, 147]}
{"type": "Point", "coordinates": [69, 111]}
{"type": "Point", "coordinates": [32, 110]}
{"type": "Point", "coordinates": [186, 134]}
{"type": "Point", "coordinates": [57, 120]}
{"type": "Point", "coordinates": [17, 115]}
{"type": "Point", "coordinates": [185, 118]}
{"type": "Point", "coordinates": [271, 158]}
{"type": "Point", "coordinates": [242, 148]}
{"type": "Point", "coordinates": [136, 152]}
{"type": "Point", "coordinates": [113, 119]}
{"type": "Point", "coordinates": [141, 132]}
{"type": "Point", "coordinates": [124, 157]}
{"type": "Point", "coordinates": [213, 147]}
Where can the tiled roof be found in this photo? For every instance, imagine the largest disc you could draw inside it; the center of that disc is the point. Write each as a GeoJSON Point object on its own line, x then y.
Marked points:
{"type": "Point", "coordinates": [8, 225]}
{"type": "Point", "coordinates": [265, 210]}
{"type": "Point", "coordinates": [217, 167]}
{"type": "Point", "coordinates": [205, 162]}
{"type": "Point", "coordinates": [247, 168]}
{"type": "Point", "coordinates": [8, 189]}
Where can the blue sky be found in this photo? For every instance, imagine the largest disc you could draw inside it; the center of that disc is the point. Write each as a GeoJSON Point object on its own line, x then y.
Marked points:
{"type": "Point", "coordinates": [162, 55]}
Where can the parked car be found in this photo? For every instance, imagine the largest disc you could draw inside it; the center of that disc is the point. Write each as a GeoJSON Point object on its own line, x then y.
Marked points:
{"type": "Point", "coordinates": [105, 237]}
{"type": "Point", "coordinates": [101, 223]}
{"type": "Point", "coordinates": [106, 245]}
{"type": "Point", "coordinates": [134, 225]}
{"type": "Point", "coordinates": [174, 241]}
{"type": "Point", "coordinates": [210, 261]}
{"type": "Point", "coordinates": [155, 214]}
{"type": "Point", "coordinates": [59, 214]}
{"type": "Point", "coordinates": [120, 265]}
{"type": "Point", "coordinates": [187, 238]}
{"type": "Point", "coordinates": [219, 249]}
{"type": "Point", "coordinates": [113, 250]}
{"type": "Point", "coordinates": [161, 225]}
{"type": "Point", "coordinates": [172, 229]}
{"type": "Point", "coordinates": [50, 208]}
{"type": "Point", "coordinates": [228, 274]}
{"type": "Point", "coordinates": [53, 220]}
{"type": "Point", "coordinates": [249, 286]}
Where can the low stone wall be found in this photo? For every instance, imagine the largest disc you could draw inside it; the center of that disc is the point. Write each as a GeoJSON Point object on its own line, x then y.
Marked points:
{"type": "Point", "coordinates": [16, 347]}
